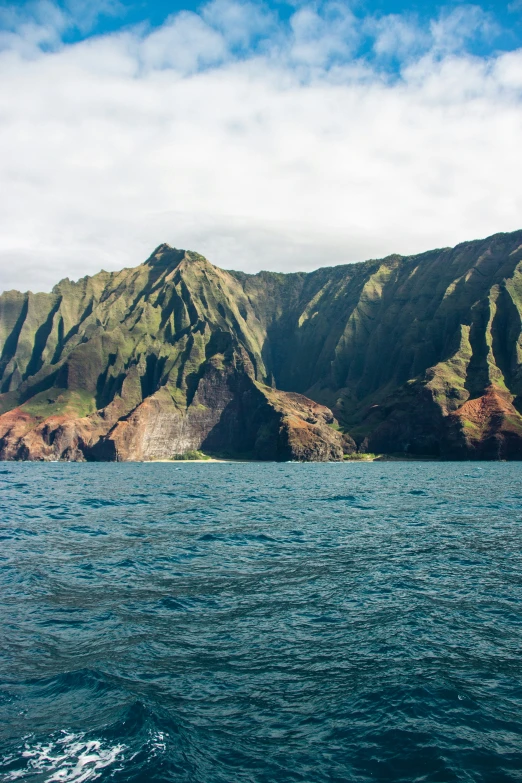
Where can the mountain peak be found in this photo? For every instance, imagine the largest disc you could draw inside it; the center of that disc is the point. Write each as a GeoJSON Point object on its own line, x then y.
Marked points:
{"type": "Point", "coordinates": [164, 354]}
{"type": "Point", "coordinates": [165, 255]}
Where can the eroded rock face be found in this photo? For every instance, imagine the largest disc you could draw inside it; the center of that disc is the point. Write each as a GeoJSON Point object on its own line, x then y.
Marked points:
{"type": "Point", "coordinates": [420, 355]}
{"type": "Point", "coordinates": [24, 437]}
{"type": "Point", "coordinates": [230, 412]}
{"type": "Point", "coordinates": [487, 427]}
{"type": "Point", "coordinates": [304, 429]}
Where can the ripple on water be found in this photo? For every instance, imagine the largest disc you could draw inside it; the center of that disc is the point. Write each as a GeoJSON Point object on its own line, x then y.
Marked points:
{"type": "Point", "coordinates": [261, 623]}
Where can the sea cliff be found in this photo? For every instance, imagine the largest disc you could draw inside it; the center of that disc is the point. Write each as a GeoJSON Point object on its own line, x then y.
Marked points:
{"type": "Point", "coordinates": [419, 355]}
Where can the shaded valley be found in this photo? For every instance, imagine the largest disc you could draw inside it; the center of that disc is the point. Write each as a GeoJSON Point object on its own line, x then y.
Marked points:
{"type": "Point", "coordinates": [420, 355]}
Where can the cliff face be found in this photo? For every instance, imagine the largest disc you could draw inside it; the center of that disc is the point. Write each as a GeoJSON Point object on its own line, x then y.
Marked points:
{"type": "Point", "coordinates": [419, 354]}
{"type": "Point", "coordinates": [147, 363]}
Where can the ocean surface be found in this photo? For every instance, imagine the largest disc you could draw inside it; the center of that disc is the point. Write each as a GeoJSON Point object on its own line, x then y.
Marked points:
{"type": "Point", "coordinates": [234, 623]}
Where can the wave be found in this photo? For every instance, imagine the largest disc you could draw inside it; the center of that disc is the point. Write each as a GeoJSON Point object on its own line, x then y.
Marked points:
{"type": "Point", "coordinates": [63, 758]}
{"type": "Point", "coordinates": [133, 746]}
{"type": "Point", "coordinates": [261, 629]}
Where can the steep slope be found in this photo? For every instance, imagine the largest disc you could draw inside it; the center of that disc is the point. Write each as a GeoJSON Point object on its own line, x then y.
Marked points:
{"type": "Point", "coordinates": [147, 363]}
{"type": "Point", "coordinates": [417, 354]}
{"type": "Point", "coordinates": [396, 347]}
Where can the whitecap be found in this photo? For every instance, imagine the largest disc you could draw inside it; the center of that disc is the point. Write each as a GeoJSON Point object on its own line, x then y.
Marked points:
{"type": "Point", "coordinates": [71, 758]}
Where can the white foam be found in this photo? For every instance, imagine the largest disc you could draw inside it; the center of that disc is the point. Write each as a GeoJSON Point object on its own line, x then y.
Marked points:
{"type": "Point", "coordinates": [69, 759]}
{"type": "Point", "coordinates": [158, 742]}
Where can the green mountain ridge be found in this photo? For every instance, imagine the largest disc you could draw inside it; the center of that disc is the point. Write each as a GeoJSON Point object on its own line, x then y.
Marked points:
{"type": "Point", "coordinates": [418, 355]}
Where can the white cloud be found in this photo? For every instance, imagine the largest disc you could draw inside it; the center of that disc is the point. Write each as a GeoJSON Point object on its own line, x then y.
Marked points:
{"type": "Point", "coordinates": [41, 24]}
{"type": "Point", "coordinates": [456, 27]}
{"type": "Point", "coordinates": [296, 155]}
{"type": "Point", "coordinates": [85, 13]}
{"type": "Point", "coordinates": [29, 28]}
{"type": "Point", "coordinates": [239, 22]}
{"type": "Point", "coordinates": [398, 36]}
{"type": "Point", "coordinates": [318, 36]}
{"type": "Point", "coordinates": [184, 43]}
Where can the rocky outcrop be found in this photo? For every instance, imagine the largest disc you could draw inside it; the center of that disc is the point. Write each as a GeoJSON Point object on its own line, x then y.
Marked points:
{"type": "Point", "coordinates": [419, 355]}
{"type": "Point", "coordinates": [487, 427]}
{"type": "Point", "coordinates": [229, 413]}
{"type": "Point", "coordinates": [296, 429]}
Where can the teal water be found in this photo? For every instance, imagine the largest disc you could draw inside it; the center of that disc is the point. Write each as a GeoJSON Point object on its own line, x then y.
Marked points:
{"type": "Point", "coordinates": [234, 623]}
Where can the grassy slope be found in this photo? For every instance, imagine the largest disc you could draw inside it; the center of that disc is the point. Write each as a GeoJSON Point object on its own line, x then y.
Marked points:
{"type": "Point", "coordinates": [441, 327]}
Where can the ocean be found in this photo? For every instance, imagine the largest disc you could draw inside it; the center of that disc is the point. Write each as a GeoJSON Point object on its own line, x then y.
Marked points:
{"type": "Point", "coordinates": [261, 623]}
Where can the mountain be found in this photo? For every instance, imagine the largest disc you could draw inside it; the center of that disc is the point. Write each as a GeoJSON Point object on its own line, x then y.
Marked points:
{"type": "Point", "coordinates": [418, 355]}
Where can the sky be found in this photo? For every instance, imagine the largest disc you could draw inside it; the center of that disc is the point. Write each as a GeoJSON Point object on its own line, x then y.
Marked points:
{"type": "Point", "coordinates": [264, 135]}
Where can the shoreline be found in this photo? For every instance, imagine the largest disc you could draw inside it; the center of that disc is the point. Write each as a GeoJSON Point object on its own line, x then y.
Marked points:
{"type": "Point", "coordinates": [362, 458]}
{"type": "Point", "coordinates": [201, 461]}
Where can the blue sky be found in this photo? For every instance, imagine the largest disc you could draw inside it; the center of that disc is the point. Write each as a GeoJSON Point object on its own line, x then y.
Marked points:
{"type": "Point", "coordinates": [113, 15]}
{"type": "Point", "coordinates": [281, 136]}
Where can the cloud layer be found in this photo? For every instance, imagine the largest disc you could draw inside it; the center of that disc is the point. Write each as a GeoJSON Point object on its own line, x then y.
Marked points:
{"type": "Point", "coordinates": [325, 139]}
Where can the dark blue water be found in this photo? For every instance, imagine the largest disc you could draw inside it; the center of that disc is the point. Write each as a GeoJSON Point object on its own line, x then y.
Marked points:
{"type": "Point", "coordinates": [225, 623]}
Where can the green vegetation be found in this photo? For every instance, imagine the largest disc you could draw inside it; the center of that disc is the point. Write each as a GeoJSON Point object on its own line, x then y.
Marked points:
{"type": "Point", "coordinates": [60, 402]}
{"type": "Point", "coordinates": [396, 347]}
{"type": "Point", "coordinates": [192, 454]}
